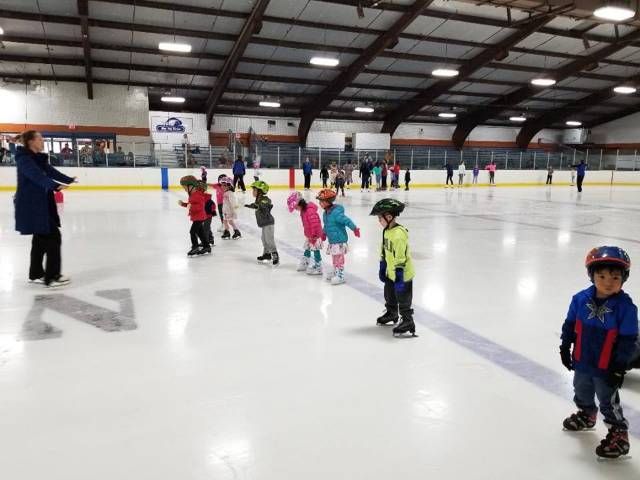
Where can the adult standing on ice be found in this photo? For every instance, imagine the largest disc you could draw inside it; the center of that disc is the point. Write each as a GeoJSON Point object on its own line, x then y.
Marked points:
{"type": "Point", "coordinates": [239, 170]}
{"type": "Point", "coordinates": [36, 210]}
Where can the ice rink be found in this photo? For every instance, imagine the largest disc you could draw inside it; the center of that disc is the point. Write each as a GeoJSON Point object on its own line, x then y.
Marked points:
{"type": "Point", "coordinates": [155, 366]}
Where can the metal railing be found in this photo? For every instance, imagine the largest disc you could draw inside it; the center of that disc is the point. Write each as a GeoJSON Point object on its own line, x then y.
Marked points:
{"type": "Point", "coordinates": [136, 155]}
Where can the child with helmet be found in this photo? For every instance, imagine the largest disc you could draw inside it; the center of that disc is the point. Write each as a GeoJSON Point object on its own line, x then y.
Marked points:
{"type": "Point", "coordinates": [335, 231]}
{"type": "Point", "coordinates": [396, 268]}
{"type": "Point", "coordinates": [312, 233]}
{"type": "Point", "coordinates": [602, 328]}
{"type": "Point", "coordinates": [209, 210]}
{"type": "Point", "coordinates": [262, 205]}
{"type": "Point", "coordinates": [197, 215]}
{"type": "Point", "coordinates": [229, 209]}
{"type": "Point", "coordinates": [219, 199]}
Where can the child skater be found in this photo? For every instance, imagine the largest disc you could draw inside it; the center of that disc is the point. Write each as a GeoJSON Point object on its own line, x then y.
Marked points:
{"type": "Point", "coordinates": [209, 210]}
{"type": "Point", "coordinates": [407, 180]}
{"type": "Point", "coordinates": [396, 268]}
{"type": "Point", "coordinates": [324, 175]}
{"type": "Point", "coordinates": [262, 205]}
{"type": "Point", "coordinates": [229, 210]}
{"type": "Point", "coordinates": [340, 179]}
{"type": "Point", "coordinates": [203, 174]}
{"type": "Point", "coordinates": [219, 200]}
{"type": "Point", "coordinates": [197, 215]}
{"type": "Point", "coordinates": [335, 223]}
{"type": "Point", "coordinates": [602, 327]}
{"type": "Point", "coordinates": [312, 232]}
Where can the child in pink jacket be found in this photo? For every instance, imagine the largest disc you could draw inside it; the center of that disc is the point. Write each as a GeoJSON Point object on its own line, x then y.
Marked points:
{"type": "Point", "coordinates": [219, 199]}
{"type": "Point", "coordinates": [312, 232]}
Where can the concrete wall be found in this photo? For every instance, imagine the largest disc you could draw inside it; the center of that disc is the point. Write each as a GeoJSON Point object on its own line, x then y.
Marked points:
{"type": "Point", "coordinates": [621, 131]}
{"type": "Point", "coordinates": [198, 133]}
{"type": "Point", "coordinates": [151, 178]}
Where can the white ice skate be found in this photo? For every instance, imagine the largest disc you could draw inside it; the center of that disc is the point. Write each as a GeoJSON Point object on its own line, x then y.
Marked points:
{"type": "Point", "coordinates": [314, 268]}
{"type": "Point", "coordinates": [328, 275]}
{"type": "Point", "coordinates": [303, 265]}
{"type": "Point", "coordinates": [338, 278]}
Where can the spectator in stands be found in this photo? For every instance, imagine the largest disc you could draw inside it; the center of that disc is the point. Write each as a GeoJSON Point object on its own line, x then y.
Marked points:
{"type": "Point", "coordinates": [307, 171]}
{"type": "Point", "coordinates": [3, 151]}
{"type": "Point", "coordinates": [239, 170]}
{"type": "Point", "coordinates": [66, 152]}
{"type": "Point", "coordinates": [35, 208]}
{"type": "Point", "coordinates": [186, 148]}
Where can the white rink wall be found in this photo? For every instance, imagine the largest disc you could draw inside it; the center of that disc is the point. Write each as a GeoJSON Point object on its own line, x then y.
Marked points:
{"type": "Point", "coordinates": [151, 177]}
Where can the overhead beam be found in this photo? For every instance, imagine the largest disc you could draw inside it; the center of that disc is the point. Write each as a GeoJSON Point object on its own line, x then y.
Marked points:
{"type": "Point", "coordinates": [511, 100]}
{"type": "Point", "coordinates": [342, 81]}
{"type": "Point", "coordinates": [250, 26]}
{"type": "Point", "coordinates": [625, 112]}
{"type": "Point", "coordinates": [83, 12]}
{"type": "Point", "coordinates": [409, 107]}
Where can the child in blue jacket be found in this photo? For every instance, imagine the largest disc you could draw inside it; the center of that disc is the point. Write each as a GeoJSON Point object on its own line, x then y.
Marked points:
{"type": "Point", "coordinates": [335, 230]}
{"type": "Point", "coordinates": [602, 327]}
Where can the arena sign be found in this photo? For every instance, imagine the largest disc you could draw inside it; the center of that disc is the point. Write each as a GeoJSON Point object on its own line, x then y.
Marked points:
{"type": "Point", "coordinates": [172, 125]}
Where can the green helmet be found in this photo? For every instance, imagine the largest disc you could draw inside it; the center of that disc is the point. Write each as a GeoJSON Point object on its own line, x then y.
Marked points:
{"type": "Point", "coordinates": [260, 185]}
{"type": "Point", "coordinates": [189, 181]}
{"type": "Point", "coordinates": [387, 205]}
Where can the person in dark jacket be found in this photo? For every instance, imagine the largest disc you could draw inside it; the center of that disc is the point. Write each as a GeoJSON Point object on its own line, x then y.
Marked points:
{"type": "Point", "coordinates": [239, 170]}
{"type": "Point", "coordinates": [35, 208]}
{"type": "Point", "coordinates": [324, 175]}
{"type": "Point", "coordinates": [307, 170]}
{"type": "Point", "coordinates": [449, 168]}
{"type": "Point", "coordinates": [407, 179]}
{"type": "Point", "coordinates": [581, 169]}
{"type": "Point", "coordinates": [365, 175]}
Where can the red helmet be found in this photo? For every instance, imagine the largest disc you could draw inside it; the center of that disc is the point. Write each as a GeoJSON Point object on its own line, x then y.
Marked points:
{"type": "Point", "coordinates": [327, 195]}
{"type": "Point", "coordinates": [613, 257]}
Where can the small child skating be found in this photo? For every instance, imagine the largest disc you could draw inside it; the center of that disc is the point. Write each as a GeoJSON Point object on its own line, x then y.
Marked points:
{"type": "Point", "coordinates": [396, 268]}
{"type": "Point", "coordinates": [312, 233]}
{"type": "Point", "coordinates": [197, 215]}
{"type": "Point", "coordinates": [229, 210]}
{"type": "Point", "coordinates": [340, 180]}
{"type": "Point", "coordinates": [203, 174]}
{"type": "Point", "coordinates": [262, 205]}
{"type": "Point", "coordinates": [219, 200]}
{"type": "Point", "coordinates": [209, 210]}
{"type": "Point", "coordinates": [335, 231]}
{"type": "Point", "coordinates": [324, 176]}
{"type": "Point", "coordinates": [602, 327]}
{"type": "Point", "coordinates": [407, 180]}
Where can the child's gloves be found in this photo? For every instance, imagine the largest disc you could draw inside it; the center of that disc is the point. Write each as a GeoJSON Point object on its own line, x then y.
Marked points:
{"type": "Point", "coordinates": [356, 232]}
{"type": "Point", "coordinates": [181, 203]}
{"type": "Point", "coordinates": [399, 283]}
{"type": "Point", "coordinates": [382, 271]}
{"type": "Point", "coordinates": [565, 356]}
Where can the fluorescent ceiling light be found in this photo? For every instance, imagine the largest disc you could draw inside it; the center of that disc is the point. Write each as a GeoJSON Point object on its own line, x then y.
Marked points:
{"type": "Point", "coordinates": [444, 72]}
{"type": "Point", "coordinates": [364, 109]}
{"type": "Point", "coordinates": [574, 123]}
{"type": "Point", "coordinates": [614, 13]}
{"type": "Point", "coordinates": [625, 89]}
{"type": "Point", "coordinates": [173, 99]}
{"type": "Point", "coordinates": [543, 82]}
{"type": "Point", "coordinates": [518, 119]}
{"type": "Point", "coordinates": [324, 61]}
{"type": "Point", "coordinates": [1, 31]}
{"type": "Point", "coordinates": [269, 104]}
{"type": "Point", "coordinates": [447, 115]}
{"type": "Point", "coordinates": [175, 47]}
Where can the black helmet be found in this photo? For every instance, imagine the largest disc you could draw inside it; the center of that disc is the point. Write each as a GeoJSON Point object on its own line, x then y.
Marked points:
{"type": "Point", "coordinates": [387, 205]}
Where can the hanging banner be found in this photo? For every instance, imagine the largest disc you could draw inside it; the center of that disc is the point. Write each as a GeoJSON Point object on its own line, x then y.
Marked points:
{"type": "Point", "coordinates": [172, 125]}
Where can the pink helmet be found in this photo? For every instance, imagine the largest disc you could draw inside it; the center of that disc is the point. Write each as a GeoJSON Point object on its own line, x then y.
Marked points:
{"type": "Point", "coordinates": [225, 180]}
{"type": "Point", "coordinates": [293, 200]}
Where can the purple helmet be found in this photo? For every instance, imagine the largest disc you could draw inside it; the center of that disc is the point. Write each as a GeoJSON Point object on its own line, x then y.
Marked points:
{"type": "Point", "coordinates": [293, 200]}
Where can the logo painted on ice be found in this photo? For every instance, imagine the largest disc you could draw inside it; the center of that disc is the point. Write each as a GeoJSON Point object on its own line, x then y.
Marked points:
{"type": "Point", "coordinates": [172, 125]}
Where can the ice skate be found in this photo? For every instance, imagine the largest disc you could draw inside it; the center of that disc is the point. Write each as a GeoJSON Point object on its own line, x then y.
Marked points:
{"type": "Point", "coordinates": [387, 318]}
{"type": "Point", "coordinates": [579, 421]}
{"type": "Point", "coordinates": [37, 281]}
{"type": "Point", "coordinates": [314, 268]}
{"type": "Point", "coordinates": [614, 445]}
{"type": "Point", "coordinates": [203, 251]}
{"type": "Point", "coordinates": [275, 259]}
{"type": "Point", "coordinates": [264, 257]}
{"type": "Point", "coordinates": [303, 265]}
{"type": "Point", "coordinates": [61, 281]}
{"type": "Point", "coordinates": [226, 235]}
{"type": "Point", "coordinates": [193, 251]}
{"type": "Point", "coordinates": [236, 235]}
{"type": "Point", "coordinates": [406, 327]}
{"type": "Point", "coordinates": [338, 277]}
{"type": "Point", "coordinates": [328, 275]}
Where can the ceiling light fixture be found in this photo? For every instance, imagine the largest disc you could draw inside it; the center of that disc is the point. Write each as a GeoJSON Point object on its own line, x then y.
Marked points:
{"type": "Point", "coordinates": [364, 109]}
{"type": "Point", "coordinates": [269, 104]}
{"type": "Point", "coordinates": [1, 31]}
{"type": "Point", "coordinates": [172, 99]}
{"type": "Point", "coordinates": [324, 61]}
{"type": "Point", "coordinates": [625, 89]}
{"type": "Point", "coordinates": [447, 115]}
{"type": "Point", "coordinates": [573, 123]}
{"type": "Point", "coordinates": [520, 118]}
{"type": "Point", "coordinates": [175, 47]}
{"type": "Point", "coordinates": [445, 72]}
{"type": "Point", "coordinates": [543, 82]}
{"type": "Point", "coordinates": [615, 11]}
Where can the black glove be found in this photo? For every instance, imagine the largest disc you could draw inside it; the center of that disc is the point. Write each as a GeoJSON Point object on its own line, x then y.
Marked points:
{"type": "Point", "coordinates": [615, 378]}
{"type": "Point", "coordinates": [565, 356]}
{"type": "Point", "coordinates": [382, 271]}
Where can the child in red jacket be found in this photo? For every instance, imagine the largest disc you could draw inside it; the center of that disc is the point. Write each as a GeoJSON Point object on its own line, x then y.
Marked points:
{"type": "Point", "coordinates": [197, 215]}
{"type": "Point", "coordinates": [209, 210]}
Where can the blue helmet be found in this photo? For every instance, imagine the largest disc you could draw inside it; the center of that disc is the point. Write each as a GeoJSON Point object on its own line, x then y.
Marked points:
{"type": "Point", "coordinates": [613, 257]}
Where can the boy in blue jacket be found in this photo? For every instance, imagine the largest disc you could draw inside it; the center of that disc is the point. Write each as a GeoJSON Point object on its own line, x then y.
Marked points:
{"type": "Point", "coordinates": [335, 224]}
{"type": "Point", "coordinates": [602, 327]}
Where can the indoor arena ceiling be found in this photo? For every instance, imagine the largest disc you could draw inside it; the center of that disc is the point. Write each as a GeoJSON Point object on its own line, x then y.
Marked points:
{"type": "Point", "coordinates": [247, 51]}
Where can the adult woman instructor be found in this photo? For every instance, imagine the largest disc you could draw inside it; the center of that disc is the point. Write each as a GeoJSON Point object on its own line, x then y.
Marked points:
{"type": "Point", "coordinates": [36, 210]}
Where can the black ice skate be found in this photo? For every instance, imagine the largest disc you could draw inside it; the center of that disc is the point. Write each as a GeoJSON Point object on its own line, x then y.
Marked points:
{"type": "Point", "coordinates": [193, 252]}
{"type": "Point", "coordinates": [236, 235]}
{"type": "Point", "coordinates": [264, 257]}
{"type": "Point", "coordinates": [276, 259]}
{"type": "Point", "coordinates": [204, 251]}
{"type": "Point", "coordinates": [226, 235]}
{"type": "Point", "coordinates": [579, 421]}
{"type": "Point", "coordinates": [406, 326]}
{"type": "Point", "coordinates": [387, 318]}
{"type": "Point", "coordinates": [614, 445]}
